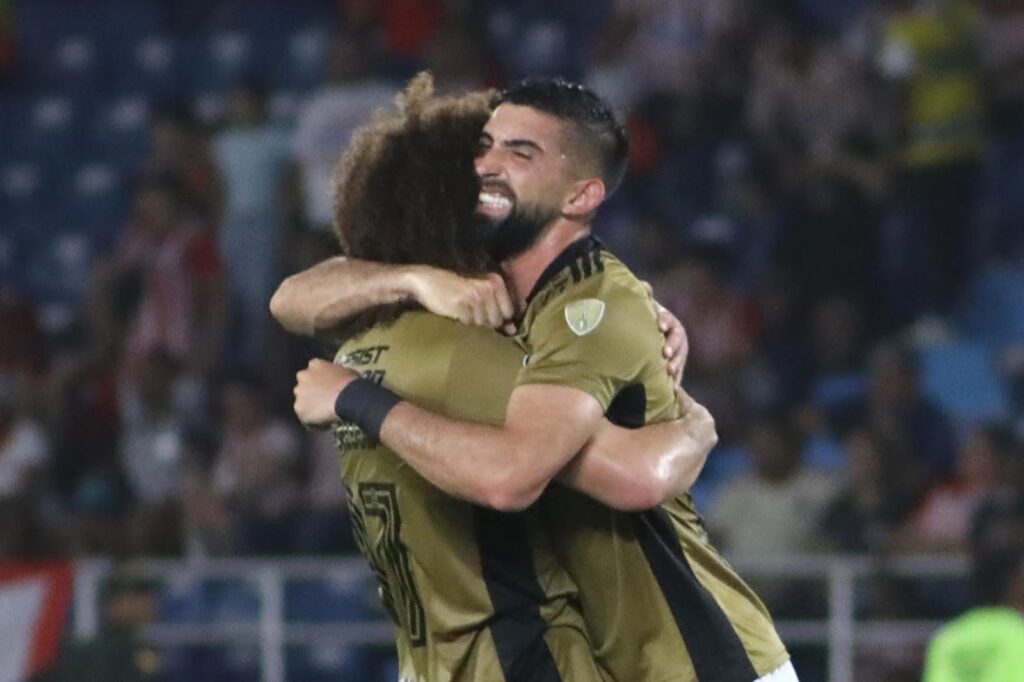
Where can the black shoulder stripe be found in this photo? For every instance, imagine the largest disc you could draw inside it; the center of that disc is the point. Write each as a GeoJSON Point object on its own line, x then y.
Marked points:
{"type": "Point", "coordinates": [574, 268]}
{"type": "Point", "coordinates": [588, 266]}
{"type": "Point", "coordinates": [598, 262]}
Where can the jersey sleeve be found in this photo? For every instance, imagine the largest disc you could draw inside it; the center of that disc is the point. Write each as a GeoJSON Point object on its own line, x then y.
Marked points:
{"type": "Point", "coordinates": [595, 336]}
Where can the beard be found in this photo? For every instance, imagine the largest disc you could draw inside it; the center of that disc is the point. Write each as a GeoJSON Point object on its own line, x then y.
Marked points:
{"type": "Point", "coordinates": [510, 236]}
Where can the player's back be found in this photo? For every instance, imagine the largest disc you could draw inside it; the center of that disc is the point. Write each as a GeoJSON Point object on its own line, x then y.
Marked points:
{"type": "Point", "coordinates": [475, 594]}
{"type": "Point", "coordinates": [660, 603]}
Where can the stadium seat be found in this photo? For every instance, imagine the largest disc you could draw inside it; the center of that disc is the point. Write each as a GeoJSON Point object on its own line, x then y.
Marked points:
{"type": "Point", "coordinates": [24, 187]}
{"type": "Point", "coordinates": [154, 65]}
{"type": "Point", "coordinates": [833, 391]}
{"type": "Point", "coordinates": [76, 66]}
{"type": "Point", "coordinates": [43, 128]}
{"type": "Point", "coordinates": [233, 601]}
{"type": "Point", "coordinates": [236, 663]}
{"type": "Point", "coordinates": [57, 269]}
{"type": "Point", "coordinates": [960, 379]}
{"type": "Point", "coordinates": [220, 61]}
{"type": "Point", "coordinates": [119, 129]}
{"type": "Point", "coordinates": [184, 601]}
{"type": "Point", "coordinates": [326, 662]}
{"type": "Point", "coordinates": [97, 202]}
{"type": "Point", "coordinates": [342, 599]}
{"type": "Point", "coordinates": [994, 312]}
{"type": "Point", "coordinates": [9, 260]}
{"type": "Point", "coordinates": [299, 63]}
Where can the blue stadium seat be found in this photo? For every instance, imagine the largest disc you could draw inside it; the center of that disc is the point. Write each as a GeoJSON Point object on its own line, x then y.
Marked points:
{"type": "Point", "coordinates": [25, 188]}
{"type": "Point", "coordinates": [326, 662]}
{"type": "Point", "coordinates": [343, 598]}
{"type": "Point", "coordinates": [237, 663]}
{"type": "Point", "coordinates": [221, 60]}
{"type": "Point", "coordinates": [43, 128]}
{"type": "Point", "coordinates": [299, 63]}
{"type": "Point", "coordinates": [233, 601]}
{"type": "Point", "coordinates": [210, 664]}
{"type": "Point", "coordinates": [59, 266]}
{"type": "Point", "coordinates": [994, 313]}
{"type": "Point", "coordinates": [155, 65]}
{"type": "Point", "coordinates": [76, 66]}
{"type": "Point", "coordinates": [10, 259]}
{"type": "Point", "coordinates": [184, 601]}
{"type": "Point", "coordinates": [388, 670]}
{"type": "Point", "coordinates": [119, 129]}
{"type": "Point", "coordinates": [65, 44]}
{"type": "Point", "coordinates": [960, 379]}
{"type": "Point", "coordinates": [97, 202]}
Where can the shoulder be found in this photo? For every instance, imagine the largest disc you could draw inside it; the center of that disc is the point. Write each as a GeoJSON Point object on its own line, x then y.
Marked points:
{"type": "Point", "coordinates": [594, 288]}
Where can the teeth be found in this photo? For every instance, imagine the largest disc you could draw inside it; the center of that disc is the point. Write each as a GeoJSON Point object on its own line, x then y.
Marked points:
{"type": "Point", "coordinates": [495, 200]}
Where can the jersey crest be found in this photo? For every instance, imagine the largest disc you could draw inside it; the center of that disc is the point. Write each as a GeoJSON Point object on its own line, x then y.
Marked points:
{"type": "Point", "coordinates": [584, 316]}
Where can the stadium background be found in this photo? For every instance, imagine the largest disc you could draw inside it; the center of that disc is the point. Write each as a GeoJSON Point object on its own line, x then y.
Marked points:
{"type": "Point", "coordinates": [830, 195]}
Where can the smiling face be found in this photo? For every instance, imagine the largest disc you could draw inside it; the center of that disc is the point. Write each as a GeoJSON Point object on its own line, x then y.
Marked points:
{"type": "Point", "coordinates": [525, 176]}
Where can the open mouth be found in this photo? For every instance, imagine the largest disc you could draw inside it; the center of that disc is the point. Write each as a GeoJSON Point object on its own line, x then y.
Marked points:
{"type": "Point", "coordinates": [495, 200]}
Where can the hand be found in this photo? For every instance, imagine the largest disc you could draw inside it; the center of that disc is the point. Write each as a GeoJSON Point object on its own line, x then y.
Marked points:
{"type": "Point", "coordinates": [316, 389]}
{"type": "Point", "coordinates": [700, 424]}
{"type": "Point", "coordinates": [677, 345]}
{"type": "Point", "coordinates": [484, 302]}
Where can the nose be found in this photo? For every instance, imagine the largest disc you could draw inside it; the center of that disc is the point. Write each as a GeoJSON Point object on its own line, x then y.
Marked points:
{"type": "Point", "coordinates": [486, 163]}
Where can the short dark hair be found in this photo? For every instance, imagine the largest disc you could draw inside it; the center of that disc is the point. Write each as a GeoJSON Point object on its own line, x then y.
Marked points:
{"type": "Point", "coordinates": [405, 190]}
{"type": "Point", "coordinates": [595, 125]}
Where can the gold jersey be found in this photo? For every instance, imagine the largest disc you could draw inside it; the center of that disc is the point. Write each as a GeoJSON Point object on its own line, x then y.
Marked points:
{"type": "Point", "coordinates": [476, 595]}
{"type": "Point", "coordinates": [660, 604]}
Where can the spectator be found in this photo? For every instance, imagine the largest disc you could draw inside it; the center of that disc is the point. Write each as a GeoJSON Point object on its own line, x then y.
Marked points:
{"type": "Point", "coordinates": [930, 58]}
{"type": "Point", "coordinates": [254, 473]}
{"type": "Point", "coordinates": [895, 408]}
{"type": "Point", "coordinates": [118, 652]}
{"type": "Point", "coordinates": [942, 521]}
{"type": "Point", "coordinates": [865, 514]}
{"type": "Point", "coordinates": [330, 115]}
{"type": "Point", "coordinates": [251, 156]}
{"type": "Point", "coordinates": [161, 290]}
{"type": "Point", "coordinates": [179, 152]}
{"type": "Point", "coordinates": [24, 459]}
{"type": "Point", "coordinates": [326, 526]}
{"type": "Point", "coordinates": [776, 508]}
{"type": "Point", "coordinates": [153, 451]}
{"type": "Point", "coordinates": [986, 644]}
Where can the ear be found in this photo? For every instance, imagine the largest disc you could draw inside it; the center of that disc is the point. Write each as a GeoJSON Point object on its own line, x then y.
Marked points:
{"type": "Point", "coordinates": [584, 198]}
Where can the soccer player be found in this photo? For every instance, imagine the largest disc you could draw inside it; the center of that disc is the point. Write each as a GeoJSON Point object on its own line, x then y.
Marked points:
{"type": "Point", "coordinates": [659, 602]}
{"type": "Point", "coordinates": [476, 594]}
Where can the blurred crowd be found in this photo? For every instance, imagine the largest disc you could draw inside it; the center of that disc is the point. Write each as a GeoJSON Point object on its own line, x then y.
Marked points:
{"type": "Point", "coordinates": [816, 188]}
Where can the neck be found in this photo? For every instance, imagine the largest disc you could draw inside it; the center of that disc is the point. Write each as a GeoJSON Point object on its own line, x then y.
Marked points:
{"type": "Point", "coordinates": [526, 268]}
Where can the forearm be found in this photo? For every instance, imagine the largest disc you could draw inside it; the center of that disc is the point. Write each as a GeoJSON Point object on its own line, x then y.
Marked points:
{"type": "Point", "coordinates": [632, 470]}
{"type": "Point", "coordinates": [475, 462]}
{"type": "Point", "coordinates": [321, 297]}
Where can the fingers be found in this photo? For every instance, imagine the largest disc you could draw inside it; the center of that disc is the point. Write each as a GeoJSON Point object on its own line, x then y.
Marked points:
{"type": "Point", "coordinates": [491, 308]}
{"type": "Point", "coordinates": [508, 311]}
{"type": "Point", "coordinates": [648, 288]}
{"type": "Point", "coordinates": [486, 303]}
{"type": "Point", "coordinates": [677, 345]}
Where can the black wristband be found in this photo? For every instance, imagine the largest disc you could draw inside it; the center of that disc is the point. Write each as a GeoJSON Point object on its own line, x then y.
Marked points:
{"type": "Point", "coordinates": [365, 404]}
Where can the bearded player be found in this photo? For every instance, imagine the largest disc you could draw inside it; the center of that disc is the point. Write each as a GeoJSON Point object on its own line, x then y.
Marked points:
{"type": "Point", "coordinates": [475, 594]}
{"type": "Point", "coordinates": [659, 602]}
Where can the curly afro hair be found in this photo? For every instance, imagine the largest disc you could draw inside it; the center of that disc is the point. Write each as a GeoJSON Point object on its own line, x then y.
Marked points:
{"type": "Point", "coordinates": [405, 191]}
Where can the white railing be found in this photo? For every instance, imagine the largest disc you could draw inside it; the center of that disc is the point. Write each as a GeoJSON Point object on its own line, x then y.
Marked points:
{"type": "Point", "coordinates": [841, 632]}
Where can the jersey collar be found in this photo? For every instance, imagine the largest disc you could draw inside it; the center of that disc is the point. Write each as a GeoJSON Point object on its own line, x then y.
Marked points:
{"type": "Point", "coordinates": [579, 248]}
